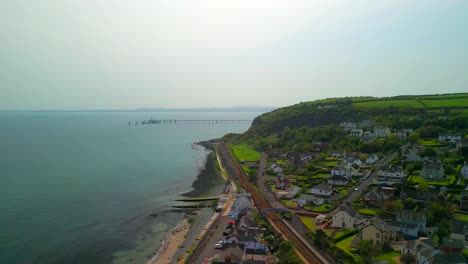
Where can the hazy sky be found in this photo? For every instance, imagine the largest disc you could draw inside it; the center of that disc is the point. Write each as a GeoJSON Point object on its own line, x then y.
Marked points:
{"type": "Point", "coordinates": [107, 54]}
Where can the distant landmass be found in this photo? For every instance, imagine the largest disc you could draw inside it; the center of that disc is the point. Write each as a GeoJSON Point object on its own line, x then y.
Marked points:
{"type": "Point", "coordinates": [157, 109]}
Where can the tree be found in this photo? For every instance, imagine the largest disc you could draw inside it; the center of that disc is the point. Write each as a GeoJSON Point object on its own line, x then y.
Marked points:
{"type": "Point", "coordinates": [413, 138]}
{"type": "Point", "coordinates": [367, 251]}
{"type": "Point", "coordinates": [286, 253]}
{"type": "Point", "coordinates": [428, 152]}
{"type": "Point", "coordinates": [423, 186]}
{"type": "Point", "coordinates": [410, 203]}
{"type": "Point", "coordinates": [393, 206]}
{"type": "Point", "coordinates": [320, 238]}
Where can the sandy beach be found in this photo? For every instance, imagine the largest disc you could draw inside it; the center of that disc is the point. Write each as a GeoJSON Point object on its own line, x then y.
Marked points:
{"type": "Point", "coordinates": [171, 243]}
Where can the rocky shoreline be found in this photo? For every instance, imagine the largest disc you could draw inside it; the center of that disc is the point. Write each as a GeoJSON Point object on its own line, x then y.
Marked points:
{"type": "Point", "coordinates": [209, 176]}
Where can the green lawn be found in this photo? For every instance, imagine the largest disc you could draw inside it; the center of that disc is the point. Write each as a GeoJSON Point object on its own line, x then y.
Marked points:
{"type": "Point", "coordinates": [345, 244]}
{"type": "Point", "coordinates": [246, 169]}
{"type": "Point", "coordinates": [416, 179]}
{"type": "Point", "coordinates": [342, 232]}
{"type": "Point", "coordinates": [245, 153]}
{"type": "Point", "coordinates": [430, 143]}
{"type": "Point", "coordinates": [407, 103]}
{"type": "Point", "coordinates": [388, 257]}
{"type": "Point", "coordinates": [281, 162]}
{"type": "Point", "coordinates": [329, 232]}
{"type": "Point", "coordinates": [309, 222]}
{"type": "Point", "coordinates": [462, 217]}
{"type": "Point", "coordinates": [322, 208]}
{"type": "Point", "coordinates": [367, 211]}
{"type": "Point", "coordinates": [450, 102]}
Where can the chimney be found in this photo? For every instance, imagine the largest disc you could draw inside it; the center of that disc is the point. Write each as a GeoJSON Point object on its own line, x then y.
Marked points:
{"type": "Point", "coordinates": [227, 260]}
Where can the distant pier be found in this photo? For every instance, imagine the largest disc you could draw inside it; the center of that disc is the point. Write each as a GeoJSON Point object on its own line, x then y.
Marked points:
{"type": "Point", "coordinates": [189, 121]}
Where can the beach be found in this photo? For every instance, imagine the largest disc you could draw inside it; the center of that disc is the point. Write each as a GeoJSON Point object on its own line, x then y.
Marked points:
{"type": "Point", "coordinates": [183, 235]}
{"type": "Point", "coordinates": [171, 244]}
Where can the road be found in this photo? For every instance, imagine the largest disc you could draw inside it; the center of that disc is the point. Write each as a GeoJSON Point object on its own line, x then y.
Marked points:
{"type": "Point", "coordinates": [365, 183]}
{"type": "Point", "coordinates": [305, 251]}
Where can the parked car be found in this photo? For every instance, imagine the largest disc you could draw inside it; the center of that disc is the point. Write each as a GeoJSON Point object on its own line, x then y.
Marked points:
{"type": "Point", "coordinates": [218, 246]}
{"type": "Point", "coordinates": [221, 241]}
{"type": "Point", "coordinates": [225, 233]}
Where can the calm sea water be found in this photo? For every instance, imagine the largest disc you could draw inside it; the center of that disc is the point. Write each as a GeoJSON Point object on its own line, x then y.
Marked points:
{"type": "Point", "coordinates": [77, 187]}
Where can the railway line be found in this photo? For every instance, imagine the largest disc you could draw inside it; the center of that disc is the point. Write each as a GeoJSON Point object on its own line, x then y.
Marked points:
{"type": "Point", "coordinates": [303, 248]}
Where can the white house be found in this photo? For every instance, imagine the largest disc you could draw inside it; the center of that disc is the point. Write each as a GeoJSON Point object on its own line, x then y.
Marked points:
{"type": "Point", "coordinates": [341, 171]}
{"type": "Point", "coordinates": [420, 249]}
{"type": "Point", "coordinates": [322, 189]}
{"type": "Point", "coordinates": [452, 138]}
{"type": "Point", "coordinates": [350, 161]}
{"type": "Point", "coordinates": [356, 132]}
{"type": "Point", "coordinates": [464, 170]}
{"type": "Point", "coordinates": [390, 175]}
{"type": "Point", "coordinates": [293, 191]}
{"type": "Point", "coordinates": [381, 131]}
{"type": "Point", "coordinates": [391, 171]}
{"type": "Point", "coordinates": [307, 199]}
{"type": "Point", "coordinates": [408, 216]}
{"type": "Point", "coordinates": [366, 123]}
{"type": "Point", "coordinates": [337, 153]}
{"type": "Point", "coordinates": [277, 169]}
{"type": "Point", "coordinates": [433, 170]}
{"type": "Point", "coordinates": [372, 159]}
{"type": "Point", "coordinates": [346, 217]}
{"type": "Point", "coordinates": [400, 133]}
{"type": "Point", "coordinates": [338, 180]}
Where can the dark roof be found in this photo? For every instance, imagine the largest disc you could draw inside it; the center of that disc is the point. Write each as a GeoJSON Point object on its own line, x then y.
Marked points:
{"type": "Point", "coordinates": [323, 187]}
{"type": "Point", "coordinates": [338, 178]}
{"type": "Point", "coordinates": [349, 210]}
{"type": "Point", "coordinates": [449, 258]}
{"type": "Point", "coordinates": [459, 227]}
{"type": "Point", "coordinates": [403, 224]}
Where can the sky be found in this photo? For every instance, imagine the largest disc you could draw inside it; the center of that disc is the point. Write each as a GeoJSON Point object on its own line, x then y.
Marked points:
{"type": "Point", "coordinates": [119, 54]}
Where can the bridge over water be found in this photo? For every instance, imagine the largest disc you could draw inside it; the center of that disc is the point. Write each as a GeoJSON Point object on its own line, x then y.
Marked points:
{"type": "Point", "coordinates": [189, 121]}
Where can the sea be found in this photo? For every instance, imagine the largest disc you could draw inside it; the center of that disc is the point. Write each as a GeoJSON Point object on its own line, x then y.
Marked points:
{"type": "Point", "coordinates": [80, 187]}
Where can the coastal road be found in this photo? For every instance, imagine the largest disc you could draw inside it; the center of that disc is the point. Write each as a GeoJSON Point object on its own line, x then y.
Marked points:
{"type": "Point", "coordinates": [305, 251]}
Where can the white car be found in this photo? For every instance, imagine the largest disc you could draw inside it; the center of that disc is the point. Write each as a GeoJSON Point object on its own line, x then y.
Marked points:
{"type": "Point", "coordinates": [221, 241]}
{"type": "Point", "coordinates": [356, 189]}
{"type": "Point", "coordinates": [218, 246]}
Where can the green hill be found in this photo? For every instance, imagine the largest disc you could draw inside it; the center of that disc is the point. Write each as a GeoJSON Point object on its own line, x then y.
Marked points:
{"type": "Point", "coordinates": [383, 110]}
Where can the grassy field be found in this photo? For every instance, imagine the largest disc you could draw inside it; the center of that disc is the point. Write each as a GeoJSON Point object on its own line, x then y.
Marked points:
{"type": "Point", "coordinates": [388, 257]}
{"type": "Point", "coordinates": [367, 211]}
{"type": "Point", "coordinates": [430, 143]}
{"type": "Point", "coordinates": [345, 244]}
{"type": "Point", "coordinates": [322, 208]}
{"type": "Point", "coordinates": [245, 153]}
{"type": "Point", "coordinates": [452, 102]}
{"type": "Point", "coordinates": [443, 96]}
{"type": "Point", "coordinates": [387, 103]}
{"type": "Point", "coordinates": [462, 217]}
{"type": "Point", "coordinates": [309, 222]}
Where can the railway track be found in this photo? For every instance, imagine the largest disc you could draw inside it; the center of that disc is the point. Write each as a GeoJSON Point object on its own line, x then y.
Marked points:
{"type": "Point", "coordinates": [304, 250]}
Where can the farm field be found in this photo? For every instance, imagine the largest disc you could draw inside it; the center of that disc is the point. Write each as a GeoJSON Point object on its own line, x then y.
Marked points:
{"type": "Point", "coordinates": [453, 102]}
{"type": "Point", "coordinates": [245, 153]}
{"type": "Point", "coordinates": [407, 103]}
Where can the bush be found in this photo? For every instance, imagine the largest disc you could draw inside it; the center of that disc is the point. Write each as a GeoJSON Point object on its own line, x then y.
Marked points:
{"type": "Point", "coordinates": [346, 235]}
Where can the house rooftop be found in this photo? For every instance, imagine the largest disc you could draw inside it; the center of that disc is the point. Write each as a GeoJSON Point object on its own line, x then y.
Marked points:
{"type": "Point", "coordinates": [323, 187]}
{"type": "Point", "coordinates": [401, 224]}
{"type": "Point", "coordinates": [454, 258]}
{"type": "Point", "coordinates": [349, 210]}
{"type": "Point", "coordinates": [338, 178]}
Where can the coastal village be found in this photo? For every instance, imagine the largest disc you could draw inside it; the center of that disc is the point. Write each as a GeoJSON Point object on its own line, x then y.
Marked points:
{"type": "Point", "coordinates": [404, 203]}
